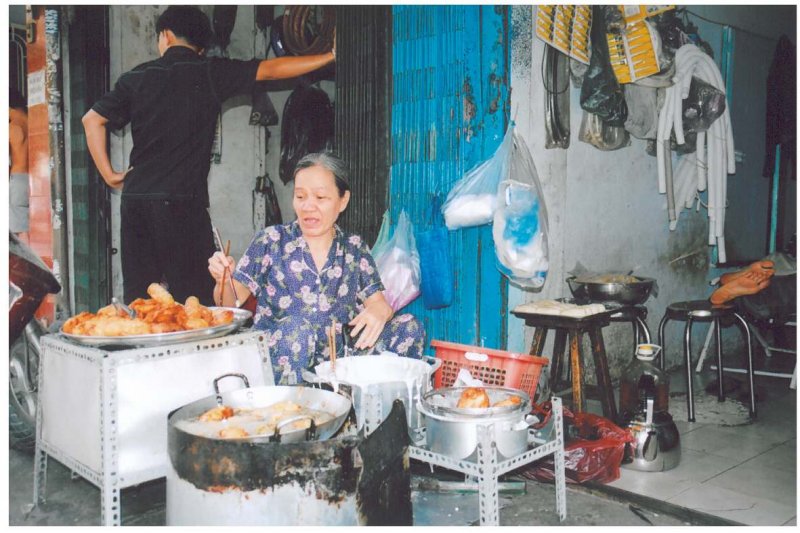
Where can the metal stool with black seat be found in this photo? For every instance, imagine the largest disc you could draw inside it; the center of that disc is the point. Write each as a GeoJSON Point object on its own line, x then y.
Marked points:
{"type": "Point", "coordinates": [705, 311]}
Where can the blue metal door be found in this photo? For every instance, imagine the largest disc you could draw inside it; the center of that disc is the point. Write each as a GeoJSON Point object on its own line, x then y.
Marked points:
{"type": "Point", "coordinates": [449, 112]}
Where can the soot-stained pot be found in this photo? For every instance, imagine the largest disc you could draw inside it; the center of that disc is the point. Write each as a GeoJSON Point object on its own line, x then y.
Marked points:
{"type": "Point", "coordinates": [345, 480]}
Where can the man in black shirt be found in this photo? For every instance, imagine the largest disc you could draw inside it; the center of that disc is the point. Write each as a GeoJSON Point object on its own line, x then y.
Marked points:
{"type": "Point", "coordinates": [172, 104]}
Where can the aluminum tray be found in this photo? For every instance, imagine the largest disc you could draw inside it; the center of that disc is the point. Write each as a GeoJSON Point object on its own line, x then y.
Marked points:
{"type": "Point", "coordinates": [240, 318]}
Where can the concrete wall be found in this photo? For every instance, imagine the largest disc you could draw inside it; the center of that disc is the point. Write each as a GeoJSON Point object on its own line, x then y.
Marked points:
{"type": "Point", "coordinates": [604, 207]}
{"type": "Point", "coordinates": [244, 154]}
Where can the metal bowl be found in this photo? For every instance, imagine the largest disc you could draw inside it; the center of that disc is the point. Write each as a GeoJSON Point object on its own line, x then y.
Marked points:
{"type": "Point", "coordinates": [631, 293]}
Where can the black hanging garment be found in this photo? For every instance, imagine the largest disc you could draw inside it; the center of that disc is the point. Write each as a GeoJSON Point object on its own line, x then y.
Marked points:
{"type": "Point", "coordinates": [781, 110]}
{"type": "Point", "coordinates": [306, 127]}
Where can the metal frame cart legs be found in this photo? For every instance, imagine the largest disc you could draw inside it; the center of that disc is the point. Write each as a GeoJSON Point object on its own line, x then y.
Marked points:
{"type": "Point", "coordinates": [487, 469]}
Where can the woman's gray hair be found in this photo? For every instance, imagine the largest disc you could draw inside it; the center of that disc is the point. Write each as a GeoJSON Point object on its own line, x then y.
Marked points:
{"type": "Point", "coordinates": [329, 161]}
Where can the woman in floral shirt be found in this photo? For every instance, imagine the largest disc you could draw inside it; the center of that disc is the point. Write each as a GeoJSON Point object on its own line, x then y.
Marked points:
{"type": "Point", "coordinates": [308, 272]}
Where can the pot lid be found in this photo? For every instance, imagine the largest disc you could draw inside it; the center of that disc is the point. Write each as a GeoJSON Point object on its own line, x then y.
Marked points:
{"type": "Point", "coordinates": [444, 402]}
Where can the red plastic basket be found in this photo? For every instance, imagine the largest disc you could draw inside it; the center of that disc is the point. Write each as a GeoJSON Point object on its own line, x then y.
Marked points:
{"type": "Point", "coordinates": [492, 367]}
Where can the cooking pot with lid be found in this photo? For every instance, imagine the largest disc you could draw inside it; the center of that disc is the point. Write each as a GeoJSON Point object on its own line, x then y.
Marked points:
{"type": "Point", "coordinates": [453, 431]}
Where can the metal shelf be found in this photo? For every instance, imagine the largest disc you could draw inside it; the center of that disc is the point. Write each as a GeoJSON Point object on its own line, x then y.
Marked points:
{"type": "Point", "coordinates": [103, 414]}
{"type": "Point", "coordinates": [488, 467]}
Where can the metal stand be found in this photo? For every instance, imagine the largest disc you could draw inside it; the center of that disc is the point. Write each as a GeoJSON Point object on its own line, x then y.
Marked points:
{"type": "Point", "coordinates": [103, 414]}
{"type": "Point", "coordinates": [487, 469]}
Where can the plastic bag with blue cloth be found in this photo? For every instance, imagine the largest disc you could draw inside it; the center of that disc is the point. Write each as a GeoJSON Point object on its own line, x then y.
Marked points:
{"type": "Point", "coordinates": [520, 221]}
{"type": "Point", "coordinates": [473, 198]}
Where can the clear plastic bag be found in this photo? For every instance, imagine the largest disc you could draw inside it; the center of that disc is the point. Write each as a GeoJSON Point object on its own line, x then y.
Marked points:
{"type": "Point", "coordinates": [471, 201]}
{"type": "Point", "coordinates": [601, 135]}
{"type": "Point", "coordinates": [520, 222]}
{"type": "Point", "coordinates": [397, 260]}
{"type": "Point", "coordinates": [702, 107]}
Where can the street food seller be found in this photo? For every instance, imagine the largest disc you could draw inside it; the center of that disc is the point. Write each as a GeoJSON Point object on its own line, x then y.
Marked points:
{"type": "Point", "coordinates": [305, 273]}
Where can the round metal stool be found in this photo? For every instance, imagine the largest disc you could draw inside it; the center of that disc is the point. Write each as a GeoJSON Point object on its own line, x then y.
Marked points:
{"type": "Point", "coordinates": [705, 311]}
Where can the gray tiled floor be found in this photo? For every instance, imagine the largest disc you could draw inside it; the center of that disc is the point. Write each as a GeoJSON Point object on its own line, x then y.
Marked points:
{"type": "Point", "coordinates": [745, 473]}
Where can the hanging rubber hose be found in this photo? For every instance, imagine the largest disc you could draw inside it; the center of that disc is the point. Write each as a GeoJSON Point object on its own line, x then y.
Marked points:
{"type": "Point", "coordinates": [303, 35]}
{"type": "Point", "coordinates": [715, 157]}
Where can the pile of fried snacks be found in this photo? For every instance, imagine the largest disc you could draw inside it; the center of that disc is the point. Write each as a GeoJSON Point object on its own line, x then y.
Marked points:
{"type": "Point", "coordinates": [157, 314]}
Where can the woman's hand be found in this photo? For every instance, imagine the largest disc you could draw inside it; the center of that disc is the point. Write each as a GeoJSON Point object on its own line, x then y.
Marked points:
{"type": "Point", "coordinates": [225, 297]}
{"type": "Point", "coordinates": [370, 322]}
{"type": "Point", "coordinates": [217, 264]}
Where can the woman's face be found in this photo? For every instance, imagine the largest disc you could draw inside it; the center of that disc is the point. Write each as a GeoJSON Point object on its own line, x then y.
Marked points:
{"type": "Point", "coordinates": [316, 202]}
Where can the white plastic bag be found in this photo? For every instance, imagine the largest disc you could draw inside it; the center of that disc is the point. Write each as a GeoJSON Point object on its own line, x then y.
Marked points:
{"type": "Point", "coordinates": [397, 260]}
{"type": "Point", "coordinates": [520, 222]}
{"type": "Point", "coordinates": [472, 200]}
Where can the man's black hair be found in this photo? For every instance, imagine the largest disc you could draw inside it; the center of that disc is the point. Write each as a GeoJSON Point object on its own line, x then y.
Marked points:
{"type": "Point", "coordinates": [186, 22]}
{"type": "Point", "coordinates": [16, 100]}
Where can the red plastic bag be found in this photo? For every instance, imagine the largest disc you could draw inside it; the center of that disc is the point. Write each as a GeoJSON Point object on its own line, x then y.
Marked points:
{"type": "Point", "coordinates": [595, 454]}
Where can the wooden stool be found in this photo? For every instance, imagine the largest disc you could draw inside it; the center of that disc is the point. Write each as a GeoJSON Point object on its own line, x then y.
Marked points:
{"type": "Point", "coordinates": [704, 311]}
{"type": "Point", "coordinates": [574, 329]}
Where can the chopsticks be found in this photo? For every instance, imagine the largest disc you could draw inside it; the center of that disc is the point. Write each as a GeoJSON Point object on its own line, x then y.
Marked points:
{"type": "Point", "coordinates": [332, 343]}
{"type": "Point", "coordinates": [224, 273]}
{"type": "Point", "coordinates": [218, 241]}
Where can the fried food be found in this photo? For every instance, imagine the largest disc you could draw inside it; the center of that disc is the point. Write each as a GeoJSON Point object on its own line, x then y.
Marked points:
{"type": "Point", "coordinates": [221, 412]}
{"type": "Point", "coordinates": [233, 432]}
{"type": "Point", "coordinates": [473, 398]}
{"type": "Point", "coordinates": [512, 400]}
{"type": "Point", "coordinates": [155, 315]}
{"type": "Point", "coordinates": [221, 316]}
{"type": "Point", "coordinates": [160, 294]}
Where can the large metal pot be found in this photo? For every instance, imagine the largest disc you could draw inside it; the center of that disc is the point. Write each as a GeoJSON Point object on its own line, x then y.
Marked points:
{"type": "Point", "coordinates": [380, 379]}
{"type": "Point", "coordinates": [630, 293]}
{"type": "Point", "coordinates": [453, 431]}
{"type": "Point", "coordinates": [334, 405]}
{"type": "Point", "coordinates": [345, 480]}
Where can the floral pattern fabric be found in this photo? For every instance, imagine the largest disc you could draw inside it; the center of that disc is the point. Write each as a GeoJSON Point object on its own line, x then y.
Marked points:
{"type": "Point", "coordinates": [296, 303]}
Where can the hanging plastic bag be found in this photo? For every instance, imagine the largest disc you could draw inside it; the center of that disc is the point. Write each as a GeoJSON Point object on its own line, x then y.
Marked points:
{"type": "Point", "coordinates": [434, 260]}
{"type": "Point", "coordinates": [602, 135]}
{"type": "Point", "coordinates": [702, 107]}
{"type": "Point", "coordinates": [471, 201]}
{"type": "Point", "coordinates": [382, 240]}
{"type": "Point", "coordinates": [600, 92]}
{"type": "Point", "coordinates": [520, 222]}
{"type": "Point", "coordinates": [397, 260]}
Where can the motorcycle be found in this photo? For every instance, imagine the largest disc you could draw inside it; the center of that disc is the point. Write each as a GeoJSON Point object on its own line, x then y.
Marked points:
{"type": "Point", "coordinates": [30, 280]}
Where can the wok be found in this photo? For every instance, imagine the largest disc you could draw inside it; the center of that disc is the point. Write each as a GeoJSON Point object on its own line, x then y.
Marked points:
{"type": "Point", "coordinates": [631, 293]}
{"type": "Point", "coordinates": [335, 405]}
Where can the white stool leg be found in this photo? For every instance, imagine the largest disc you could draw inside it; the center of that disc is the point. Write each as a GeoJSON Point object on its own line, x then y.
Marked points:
{"type": "Point", "coordinates": [704, 351]}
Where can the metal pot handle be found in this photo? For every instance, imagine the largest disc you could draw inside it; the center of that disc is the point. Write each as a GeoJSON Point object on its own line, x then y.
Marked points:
{"type": "Point", "coordinates": [232, 374]}
{"type": "Point", "coordinates": [311, 431]}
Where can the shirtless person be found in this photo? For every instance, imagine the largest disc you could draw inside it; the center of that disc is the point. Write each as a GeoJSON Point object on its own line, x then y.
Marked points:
{"type": "Point", "coordinates": [19, 187]}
